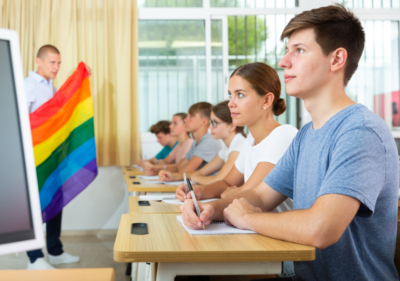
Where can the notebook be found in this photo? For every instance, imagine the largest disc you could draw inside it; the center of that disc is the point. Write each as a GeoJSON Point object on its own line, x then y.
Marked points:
{"type": "Point", "coordinates": [179, 202]}
{"type": "Point", "coordinates": [138, 167]}
{"type": "Point", "coordinates": [149, 177]}
{"type": "Point", "coordinates": [158, 196]}
{"type": "Point", "coordinates": [215, 228]}
{"type": "Point", "coordinates": [166, 182]}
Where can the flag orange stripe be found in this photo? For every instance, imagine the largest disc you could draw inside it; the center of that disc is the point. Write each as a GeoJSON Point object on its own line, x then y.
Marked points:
{"type": "Point", "coordinates": [57, 121]}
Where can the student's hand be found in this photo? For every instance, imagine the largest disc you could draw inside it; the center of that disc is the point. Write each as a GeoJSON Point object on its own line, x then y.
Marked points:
{"type": "Point", "coordinates": [189, 215]}
{"type": "Point", "coordinates": [193, 177]}
{"type": "Point", "coordinates": [150, 171]}
{"type": "Point", "coordinates": [148, 164]}
{"type": "Point", "coordinates": [165, 176]}
{"type": "Point", "coordinates": [228, 191]}
{"type": "Point", "coordinates": [235, 213]}
{"type": "Point", "coordinates": [140, 162]}
{"type": "Point", "coordinates": [182, 196]}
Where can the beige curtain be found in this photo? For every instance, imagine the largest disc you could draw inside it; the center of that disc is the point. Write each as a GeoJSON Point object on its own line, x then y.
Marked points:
{"type": "Point", "coordinates": [103, 34]}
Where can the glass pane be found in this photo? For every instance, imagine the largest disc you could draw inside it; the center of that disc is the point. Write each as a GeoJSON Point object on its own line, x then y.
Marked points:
{"type": "Point", "coordinates": [217, 79]}
{"type": "Point", "coordinates": [255, 3]}
{"type": "Point", "coordinates": [169, 3]}
{"type": "Point", "coordinates": [376, 81]}
{"type": "Point", "coordinates": [257, 38]}
{"type": "Point", "coordinates": [171, 68]}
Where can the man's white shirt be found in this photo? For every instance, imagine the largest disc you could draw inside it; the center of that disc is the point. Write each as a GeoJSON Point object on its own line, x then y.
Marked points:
{"type": "Point", "coordinates": [37, 90]}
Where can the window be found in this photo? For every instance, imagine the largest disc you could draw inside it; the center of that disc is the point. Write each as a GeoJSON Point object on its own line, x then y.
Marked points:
{"type": "Point", "coordinates": [376, 81]}
{"type": "Point", "coordinates": [368, 4]}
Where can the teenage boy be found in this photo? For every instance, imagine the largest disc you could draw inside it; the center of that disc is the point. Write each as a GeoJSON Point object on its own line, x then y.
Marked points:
{"type": "Point", "coordinates": [164, 137]}
{"type": "Point", "coordinates": [204, 147]}
{"type": "Point", "coordinates": [39, 89]}
{"type": "Point", "coordinates": [341, 170]}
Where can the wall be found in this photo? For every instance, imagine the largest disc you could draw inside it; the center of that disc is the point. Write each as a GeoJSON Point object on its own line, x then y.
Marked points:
{"type": "Point", "coordinates": [101, 204]}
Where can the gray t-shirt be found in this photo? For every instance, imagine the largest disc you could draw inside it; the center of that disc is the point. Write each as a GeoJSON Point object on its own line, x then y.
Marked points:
{"type": "Point", "coordinates": [353, 154]}
{"type": "Point", "coordinates": [207, 149]}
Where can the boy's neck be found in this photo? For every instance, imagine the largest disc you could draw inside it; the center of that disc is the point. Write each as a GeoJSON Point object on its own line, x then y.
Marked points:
{"type": "Point", "coordinates": [325, 104]}
{"type": "Point", "coordinates": [228, 139]}
{"type": "Point", "coordinates": [199, 133]}
{"type": "Point", "coordinates": [172, 142]}
{"type": "Point", "coordinates": [182, 138]}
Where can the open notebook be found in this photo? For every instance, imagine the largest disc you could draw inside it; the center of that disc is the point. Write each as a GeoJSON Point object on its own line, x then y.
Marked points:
{"type": "Point", "coordinates": [138, 167]}
{"type": "Point", "coordinates": [167, 182]}
{"type": "Point", "coordinates": [158, 196]}
{"type": "Point", "coordinates": [156, 178]}
{"type": "Point", "coordinates": [179, 202]}
{"type": "Point", "coordinates": [215, 228]}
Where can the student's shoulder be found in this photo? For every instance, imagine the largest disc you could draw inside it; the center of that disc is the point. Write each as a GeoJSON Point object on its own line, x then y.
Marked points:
{"type": "Point", "coordinates": [360, 118]}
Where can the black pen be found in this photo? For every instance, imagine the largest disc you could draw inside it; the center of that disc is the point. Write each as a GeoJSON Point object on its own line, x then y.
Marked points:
{"type": "Point", "coordinates": [194, 200]}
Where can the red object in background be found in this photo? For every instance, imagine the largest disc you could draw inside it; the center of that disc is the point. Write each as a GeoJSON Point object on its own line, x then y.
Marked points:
{"type": "Point", "coordinates": [379, 107]}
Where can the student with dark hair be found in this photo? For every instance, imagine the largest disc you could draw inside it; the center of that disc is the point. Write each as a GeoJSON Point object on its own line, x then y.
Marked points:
{"type": "Point", "coordinates": [178, 130]}
{"type": "Point", "coordinates": [164, 137]}
{"type": "Point", "coordinates": [204, 147]}
{"type": "Point", "coordinates": [233, 137]}
{"type": "Point", "coordinates": [342, 169]}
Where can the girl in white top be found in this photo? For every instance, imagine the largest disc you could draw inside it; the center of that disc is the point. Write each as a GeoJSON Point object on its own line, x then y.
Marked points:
{"type": "Point", "coordinates": [233, 138]}
{"type": "Point", "coordinates": [254, 91]}
{"type": "Point", "coordinates": [178, 130]}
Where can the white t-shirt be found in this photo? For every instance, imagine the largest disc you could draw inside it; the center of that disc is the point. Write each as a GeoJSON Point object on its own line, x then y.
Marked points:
{"type": "Point", "coordinates": [270, 150]}
{"type": "Point", "coordinates": [235, 145]}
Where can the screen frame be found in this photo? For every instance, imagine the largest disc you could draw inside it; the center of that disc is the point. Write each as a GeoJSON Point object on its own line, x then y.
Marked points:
{"type": "Point", "coordinates": [27, 146]}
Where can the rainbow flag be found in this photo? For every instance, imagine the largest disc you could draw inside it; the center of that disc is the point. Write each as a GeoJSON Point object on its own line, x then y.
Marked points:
{"type": "Point", "coordinates": [64, 144]}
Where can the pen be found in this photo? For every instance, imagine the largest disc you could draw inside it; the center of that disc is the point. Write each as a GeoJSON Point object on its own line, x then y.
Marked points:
{"type": "Point", "coordinates": [184, 182]}
{"type": "Point", "coordinates": [165, 167]}
{"type": "Point", "coordinates": [194, 200]}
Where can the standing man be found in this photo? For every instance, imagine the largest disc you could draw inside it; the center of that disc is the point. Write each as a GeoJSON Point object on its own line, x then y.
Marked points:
{"type": "Point", "coordinates": [39, 89]}
{"type": "Point", "coordinates": [341, 170]}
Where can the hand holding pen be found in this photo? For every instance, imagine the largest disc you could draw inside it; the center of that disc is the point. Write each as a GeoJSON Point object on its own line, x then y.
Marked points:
{"type": "Point", "coordinates": [194, 200]}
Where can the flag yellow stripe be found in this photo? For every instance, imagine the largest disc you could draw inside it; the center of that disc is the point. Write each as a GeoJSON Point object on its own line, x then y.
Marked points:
{"type": "Point", "coordinates": [82, 113]}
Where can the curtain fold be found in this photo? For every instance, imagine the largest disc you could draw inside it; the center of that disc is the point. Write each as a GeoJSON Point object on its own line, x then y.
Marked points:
{"type": "Point", "coordinates": [103, 34]}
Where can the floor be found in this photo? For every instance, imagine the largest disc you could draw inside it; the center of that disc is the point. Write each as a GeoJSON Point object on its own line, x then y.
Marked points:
{"type": "Point", "coordinates": [94, 251]}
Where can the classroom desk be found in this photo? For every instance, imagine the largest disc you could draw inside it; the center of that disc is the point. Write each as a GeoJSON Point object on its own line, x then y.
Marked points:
{"type": "Point", "coordinates": [154, 208]}
{"type": "Point", "coordinates": [146, 187]}
{"type": "Point", "coordinates": [178, 253]}
{"type": "Point", "coordinates": [76, 274]}
{"type": "Point", "coordinates": [129, 170]}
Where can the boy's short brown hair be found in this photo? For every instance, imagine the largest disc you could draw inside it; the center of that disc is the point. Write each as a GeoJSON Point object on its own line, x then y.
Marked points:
{"type": "Point", "coordinates": [161, 127]}
{"type": "Point", "coordinates": [47, 49]}
{"type": "Point", "coordinates": [334, 27]}
{"type": "Point", "coordinates": [202, 108]}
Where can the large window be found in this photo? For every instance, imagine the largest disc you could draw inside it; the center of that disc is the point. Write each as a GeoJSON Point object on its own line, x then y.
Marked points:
{"type": "Point", "coordinates": [189, 48]}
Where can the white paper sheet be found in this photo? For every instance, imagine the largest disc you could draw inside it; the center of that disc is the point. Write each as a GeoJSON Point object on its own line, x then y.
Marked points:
{"type": "Point", "coordinates": [179, 202]}
{"type": "Point", "coordinates": [154, 178]}
{"type": "Point", "coordinates": [166, 182]}
{"type": "Point", "coordinates": [138, 167]}
{"type": "Point", "coordinates": [158, 196]}
{"type": "Point", "coordinates": [215, 229]}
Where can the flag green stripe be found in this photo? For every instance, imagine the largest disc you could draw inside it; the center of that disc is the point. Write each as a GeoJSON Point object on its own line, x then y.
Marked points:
{"type": "Point", "coordinates": [78, 136]}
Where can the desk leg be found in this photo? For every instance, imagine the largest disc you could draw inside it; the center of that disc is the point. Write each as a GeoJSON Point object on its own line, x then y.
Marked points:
{"type": "Point", "coordinates": [168, 271]}
{"type": "Point", "coordinates": [154, 266]}
{"type": "Point", "coordinates": [141, 272]}
{"type": "Point", "coordinates": [134, 271]}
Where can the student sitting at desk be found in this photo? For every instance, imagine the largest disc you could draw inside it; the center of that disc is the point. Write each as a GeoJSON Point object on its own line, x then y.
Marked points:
{"type": "Point", "coordinates": [342, 169]}
{"type": "Point", "coordinates": [164, 137]}
{"type": "Point", "coordinates": [255, 98]}
{"type": "Point", "coordinates": [204, 147]}
{"type": "Point", "coordinates": [233, 137]}
{"type": "Point", "coordinates": [178, 130]}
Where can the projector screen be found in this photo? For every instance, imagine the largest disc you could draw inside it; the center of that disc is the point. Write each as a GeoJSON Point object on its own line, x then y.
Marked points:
{"type": "Point", "coordinates": [15, 212]}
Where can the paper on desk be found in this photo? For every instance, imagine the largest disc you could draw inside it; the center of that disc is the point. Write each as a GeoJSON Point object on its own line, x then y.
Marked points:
{"type": "Point", "coordinates": [149, 177]}
{"type": "Point", "coordinates": [179, 202]}
{"type": "Point", "coordinates": [215, 229]}
{"type": "Point", "coordinates": [158, 196]}
{"type": "Point", "coordinates": [166, 182]}
{"type": "Point", "coordinates": [138, 167]}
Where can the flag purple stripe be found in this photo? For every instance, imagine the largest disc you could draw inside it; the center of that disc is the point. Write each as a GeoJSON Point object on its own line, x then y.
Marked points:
{"type": "Point", "coordinates": [71, 188]}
